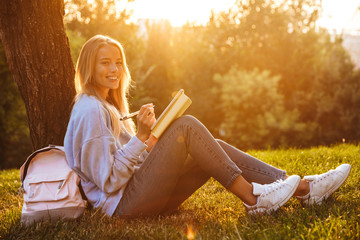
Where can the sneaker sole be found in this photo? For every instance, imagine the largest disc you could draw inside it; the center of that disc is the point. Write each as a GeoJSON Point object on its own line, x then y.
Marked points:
{"type": "Point", "coordinates": [277, 206]}
{"type": "Point", "coordinates": [331, 190]}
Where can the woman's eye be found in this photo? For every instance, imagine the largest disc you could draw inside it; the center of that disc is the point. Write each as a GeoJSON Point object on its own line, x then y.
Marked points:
{"type": "Point", "coordinates": [105, 63]}
{"type": "Point", "coordinates": [118, 63]}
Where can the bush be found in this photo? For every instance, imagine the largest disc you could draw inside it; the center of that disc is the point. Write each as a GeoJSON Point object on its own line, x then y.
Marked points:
{"type": "Point", "coordinates": [254, 111]}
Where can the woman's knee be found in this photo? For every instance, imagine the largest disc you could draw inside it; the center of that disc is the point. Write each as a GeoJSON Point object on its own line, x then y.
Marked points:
{"type": "Point", "coordinates": [186, 126]}
{"type": "Point", "coordinates": [190, 120]}
{"type": "Point", "coordinates": [187, 120]}
{"type": "Point", "coordinates": [221, 142]}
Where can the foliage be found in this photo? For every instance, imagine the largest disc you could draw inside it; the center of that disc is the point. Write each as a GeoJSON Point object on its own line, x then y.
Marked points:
{"type": "Point", "coordinates": [194, 64]}
{"type": "Point", "coordinates": [76, 42]}
{"type": "Point", "coordinates": [212, 212]}
{"type": "Point", "coordinates": [336, 95]}
{"type": "Point", "coordinates": [254, 110]}
{"type": "Point", "coordinates": [152, 80]}
{"type": "Point", "coordinates": [281, 37]}
{"type": "Point", "coordinates": [15, 142]}
{"type": "Point", "coordinates": [93, 18]}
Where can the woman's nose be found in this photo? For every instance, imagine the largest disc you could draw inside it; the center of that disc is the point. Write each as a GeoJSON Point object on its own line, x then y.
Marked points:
{"type": "Point", "coordinates": [113, 67]}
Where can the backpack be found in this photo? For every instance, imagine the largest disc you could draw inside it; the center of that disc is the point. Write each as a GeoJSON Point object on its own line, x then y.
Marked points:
{"type": "Point", "coordinates": [50, 188]}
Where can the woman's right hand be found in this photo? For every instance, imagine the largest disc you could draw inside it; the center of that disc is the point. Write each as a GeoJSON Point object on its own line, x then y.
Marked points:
{"type": "Point", "coordinates": [145, 120]}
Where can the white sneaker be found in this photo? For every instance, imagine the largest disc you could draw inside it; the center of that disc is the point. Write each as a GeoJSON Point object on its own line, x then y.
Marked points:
{"type": "Point", "coordinates": [323, 185]}
{"type": "Point", "coordinates": [273, 196]}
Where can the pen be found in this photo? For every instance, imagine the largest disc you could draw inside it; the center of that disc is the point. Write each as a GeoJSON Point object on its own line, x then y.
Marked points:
{"type": "Point", "coordinates": [131, 115]}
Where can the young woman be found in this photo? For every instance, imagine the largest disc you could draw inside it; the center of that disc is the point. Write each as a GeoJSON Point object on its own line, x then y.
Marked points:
{"type": "Point", "coordinates": [128, 173]}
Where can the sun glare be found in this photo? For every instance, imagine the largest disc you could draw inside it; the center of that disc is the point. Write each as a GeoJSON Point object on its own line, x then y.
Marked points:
{"type": "Point", "coordinates": [340, 16]}
{"type": "Point", "coordinates": [336, 15]}
{"type": "Point", "coordinates": [178, 12]}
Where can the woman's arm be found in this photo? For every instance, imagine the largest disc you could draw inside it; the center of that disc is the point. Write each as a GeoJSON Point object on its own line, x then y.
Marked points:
{"type": "Point", "coordinates": [107, 166]}
{"type": "Point", "coordinates": [92, 149]}
{"type": "Point", "coordinates": [151, 142]}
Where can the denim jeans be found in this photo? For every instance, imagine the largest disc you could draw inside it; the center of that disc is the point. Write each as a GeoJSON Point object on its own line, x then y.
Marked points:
{"type": "Point", "coordinates": [184, 158]}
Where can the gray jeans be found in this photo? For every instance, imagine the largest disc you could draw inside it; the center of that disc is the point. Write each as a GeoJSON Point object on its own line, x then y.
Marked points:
{"type": "Point", "coordinates": [184, 158]}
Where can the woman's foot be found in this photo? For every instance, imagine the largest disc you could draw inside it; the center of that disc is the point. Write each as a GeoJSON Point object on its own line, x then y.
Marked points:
{"type": "Point", "coordinates": [272, 196]}
{"type": "Point", "coordinates": [323, 185]}
{"type": "Point", "coordinates": [303, 188]}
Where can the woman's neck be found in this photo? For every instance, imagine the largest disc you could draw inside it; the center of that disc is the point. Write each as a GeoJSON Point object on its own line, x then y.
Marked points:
{"type": "Point", "coordinates": [103, 92]}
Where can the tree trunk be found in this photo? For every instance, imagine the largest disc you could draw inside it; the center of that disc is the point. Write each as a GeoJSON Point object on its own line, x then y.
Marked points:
{"type": "Point", "coordinates": [38, 53]}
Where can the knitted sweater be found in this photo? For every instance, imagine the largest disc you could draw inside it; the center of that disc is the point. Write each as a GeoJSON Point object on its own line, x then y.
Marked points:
{"type": "Point", "coordinates": [105, 163]}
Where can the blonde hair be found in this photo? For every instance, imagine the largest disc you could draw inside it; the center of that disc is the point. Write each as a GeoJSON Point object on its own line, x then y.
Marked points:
{"type": "Point", "coordinates": [116, 102]}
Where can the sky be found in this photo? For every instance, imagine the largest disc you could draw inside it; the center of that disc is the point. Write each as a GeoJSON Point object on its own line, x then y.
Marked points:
{"type": "Point", "coordinates": [341, 14]}
{"type": "Point", "coordinates": [337, 15]}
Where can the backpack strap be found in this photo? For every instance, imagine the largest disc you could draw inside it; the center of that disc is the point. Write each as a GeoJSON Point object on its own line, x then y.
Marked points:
{"type": "Point", "coordinates": [88, 205]}
{"type": "Point", "coordinates": [25, 166]}
{"type": "Point", "coordinates": [28, 160]}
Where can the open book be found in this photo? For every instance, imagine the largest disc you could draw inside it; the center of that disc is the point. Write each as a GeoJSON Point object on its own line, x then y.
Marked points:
{"type": "Point", "coordinates": [174, 110]}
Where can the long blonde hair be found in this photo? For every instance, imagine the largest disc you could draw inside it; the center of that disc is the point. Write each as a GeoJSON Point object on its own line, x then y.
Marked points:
{"type": "Point", "coordinates": [116, 101]}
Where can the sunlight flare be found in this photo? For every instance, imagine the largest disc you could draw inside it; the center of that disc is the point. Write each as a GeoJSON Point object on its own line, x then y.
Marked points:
{"type": "Point", "coordinates": [178, 12]}
{"type": "Point", "coordinates": [190, 233]}
{"type": "Point", "coordinates": [336, 15]}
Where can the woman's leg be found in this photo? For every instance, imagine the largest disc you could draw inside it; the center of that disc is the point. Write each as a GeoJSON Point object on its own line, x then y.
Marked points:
{"type": "Point", "coordinates": [153, 185]}
{"type": "Point", "coordinates": [149, 190]}
{"type": "Point", "coordinates": [253, 169]}
{"type": "Point", "coordinates": [191, 180]}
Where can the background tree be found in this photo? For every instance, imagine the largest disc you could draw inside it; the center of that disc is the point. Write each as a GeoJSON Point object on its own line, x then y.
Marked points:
{"type": "Point", "coordinates": [38, 54]}
{"type": "Point", "coordinates": [157, 85]}
{"type": "Point", "coordinates": [281, 37]}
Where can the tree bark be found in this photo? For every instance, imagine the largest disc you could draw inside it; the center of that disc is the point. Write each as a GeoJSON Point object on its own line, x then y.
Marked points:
{"type": "Point", "coordinates": [38, 53]}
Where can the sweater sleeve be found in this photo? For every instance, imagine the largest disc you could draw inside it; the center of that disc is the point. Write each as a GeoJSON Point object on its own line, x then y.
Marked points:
{"type": "Point", "coordinates": [93, 151]}
{"type": "Point", "coordinates": [108, 167]}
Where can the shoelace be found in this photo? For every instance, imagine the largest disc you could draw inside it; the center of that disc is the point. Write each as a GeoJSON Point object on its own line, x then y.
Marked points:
{"type": "Point", "coordinates": [273, 186]}
{"type": "Point", "coordinates": [323, 175]}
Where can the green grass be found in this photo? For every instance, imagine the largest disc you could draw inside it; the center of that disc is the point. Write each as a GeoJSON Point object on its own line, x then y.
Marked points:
{"type": "Point", "coordinates": [212, 212]}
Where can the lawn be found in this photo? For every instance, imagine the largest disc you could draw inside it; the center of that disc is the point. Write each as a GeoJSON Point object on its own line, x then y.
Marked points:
{"type": "Point", "coordinates": [212, 212]}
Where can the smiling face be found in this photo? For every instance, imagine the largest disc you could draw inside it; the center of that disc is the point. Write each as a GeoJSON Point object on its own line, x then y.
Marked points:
{"type": "Point", "coordinates": [108, 69]}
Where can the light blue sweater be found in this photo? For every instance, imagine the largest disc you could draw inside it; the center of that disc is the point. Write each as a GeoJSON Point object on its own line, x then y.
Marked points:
{"type": "Point", "coordinates": [104, 163]}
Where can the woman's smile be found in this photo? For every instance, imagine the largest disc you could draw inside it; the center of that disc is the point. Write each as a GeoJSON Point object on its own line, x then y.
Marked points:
{"type": "Point", "coordinates": [108, 69]}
